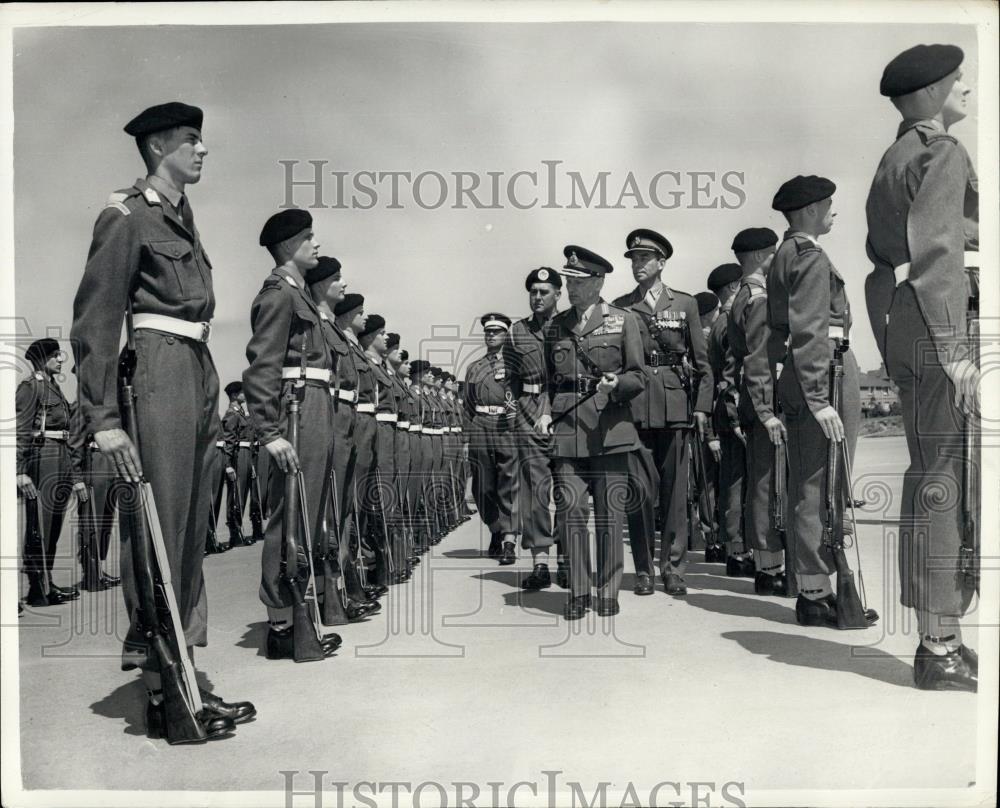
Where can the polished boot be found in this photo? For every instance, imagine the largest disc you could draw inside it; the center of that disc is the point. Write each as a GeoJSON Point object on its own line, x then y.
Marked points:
{"type": "Point", "coordinates": [238, 711]}
{"type": "Point", "coordinates": [213, 725]}
{"type": "Point", "coordinates": [576, 607]}
{"type": "Point", "coordinates": [67, 592]}
{"type": "Point", "coordinates": [715, 554]}
{"type": "Point", "coordinates": [110, 580]}
{"type": "Point", "coordinates": [562, 573]}
{"type": "Point", "coordinates": [281, 644]}
{"type": "Point", "coordinates": [823, 612]}
{"type": "Point", "coordinates": [496, 547]}
{"type": "Point", "coordinates": [674, 584]}
{"type": "Point", "coordinates": [375, 592]}
{"type": "Point", "coordinates": [539, 578]}
{"type": "Point", "coordinates": [509, 556]}
{"type": "Point", "coordinates": [643, 584]}
{"type": "Point", "coordinates": [607, 607]}
{"type": "Point", "coordinates": [776, 585]}
{"type": "Point", "coordinates": [358, 610]}
{"type": "Point", "coordinates": [740, 567]}
{"type": "Point", "coordinates": [948, 672]}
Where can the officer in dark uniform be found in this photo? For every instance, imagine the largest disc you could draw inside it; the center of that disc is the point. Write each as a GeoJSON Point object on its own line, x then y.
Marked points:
{"type": "Point", "coordinates": [491, 408]}
{"type": "Point", "coordinates": [238, 439]}
{"type": "Point", "coordinates": [288, 352]}
{"type": "Point", "coordinates": [146, 256]}
{"type": "Point", "coordinates": [379, 478]}
{"type": "Point", "coordinates": [808, 317]}
{"type": "Point", "coordinates": [923, 237]}
{"type": "Point", "coordinates": [724, 281]}
{"type": "Point", "coordinates": [593, 369]}
{"type": "Point", "coordinates": [524, 357]}
{"type": "Point", "coordinates": [677, 396]}
{"type": "Point", "coordinates": [762, 429]}
{"type": "Point", "coordinates": [46, 476]}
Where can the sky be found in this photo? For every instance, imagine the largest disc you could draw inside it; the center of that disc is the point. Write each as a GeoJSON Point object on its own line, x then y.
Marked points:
{"type": "Point", "coordinates": [766, 100]}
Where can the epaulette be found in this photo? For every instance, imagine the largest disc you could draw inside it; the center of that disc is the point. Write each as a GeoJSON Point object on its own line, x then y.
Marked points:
{"type": "Point", "coordinates": [117, 199]}
{"type": "Point", "coordinates": [804, 245]}
{"type": "Point", "coordinates": [757, 291]}
{"type": "Point", "coordinates": [931, 134]}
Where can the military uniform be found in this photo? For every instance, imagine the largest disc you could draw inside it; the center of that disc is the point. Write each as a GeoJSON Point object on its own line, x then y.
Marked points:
{"type": "Point", "coordinates": [923, 237]}
{"type": "Point", "coordinates": [238, 436]}
{"type": "Point", "coordinates": [748, 337]}
{"type": "Point", "coordinates": [675, 361]}
{"type": "Point", "coordinates": [524, 359]}
{"type": "Point", "coordinates": [287, 349]}
{"type": "Point", "coordinates": [43, 453]}
{"type": "Point", "coordinates": [492, 410]}
{"type": "Point", "coordinates": [146, 253]}
{"type": "Point", "coordinates": [807, 314]}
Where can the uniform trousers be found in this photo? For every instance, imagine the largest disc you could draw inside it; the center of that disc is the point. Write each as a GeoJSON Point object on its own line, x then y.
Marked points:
{"type": "Point", "coordinates": [494, 457]}
{"type": "Point", "coordinates": [931, 512]}
{"type": "Point", "coordinates": [534, 488]}
{"type": "Point", "coordinates": [807, 455]}
{"type": "Point", "coordinates": [401, 439]}
{"type": "Point", "coordinates": [731, 481]}
{"type": "Point", "coordinates": [263, 478]}
{"type": "Point", "coordinates": [344, 464]}
{"type": "Point", "coordinates": [606, 479]}
{"type": "Point", "coordinates": [100, 477]}
{"type": "Point", "coordinates": [177, 399]}
{"type": "Point", "coordinates": [760, 532]}
{"type": "Point", "coordinates": [50, 470]}
{"type": "Point", "coordinates": [670, 452]}
{"type": "Point", "coordinates": [414, 479]}
{"type": "Point", "coordinates": [315, 460]}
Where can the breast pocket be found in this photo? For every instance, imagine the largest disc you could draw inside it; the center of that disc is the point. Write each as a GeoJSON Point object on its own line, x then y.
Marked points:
{"type": "Point", "coordinates": [606, 351]}
{"type": "Point", "coordinates": [174, 265]}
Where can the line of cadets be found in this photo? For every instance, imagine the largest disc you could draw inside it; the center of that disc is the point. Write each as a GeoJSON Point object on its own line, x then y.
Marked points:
{"type": "Point", "coordinates": [600, 398]}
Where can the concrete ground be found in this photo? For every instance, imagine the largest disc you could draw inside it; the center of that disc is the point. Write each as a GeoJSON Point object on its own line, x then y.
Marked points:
{"type": "Point", "coordinates": [464, 678]}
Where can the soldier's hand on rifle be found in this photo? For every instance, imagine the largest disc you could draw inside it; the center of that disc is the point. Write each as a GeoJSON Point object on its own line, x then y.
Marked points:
{"type": "Point", "coordinates": [715, 447]}
{"type": "Point", "coordinates": [26, 486]}
{"type": "Point", "coordinates": [965, 376]}
{"type": "Point", "coordinates": [830, 423]}
{"type": "Point", "coordinates": [283, 453]}
{"type": "Point", "coordinates": [82, 492]}
{"type": "Point", "coordinates": [608, 382]}
{"type": "Point", "coordinates": [775, 430]}
{"type": "Point", "coordinates": [738, 432]}
{"type": "Point", "coordinates": [116, 445]}
{"type": "Point", "coordinates": [544, 424]}
{"type": "Point", "coordinates": [701, 424]}
{"type": "Point", "coordinates": [230, 472]}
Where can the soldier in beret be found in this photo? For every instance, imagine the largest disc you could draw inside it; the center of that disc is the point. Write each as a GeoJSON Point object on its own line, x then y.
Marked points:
{"type": "Point", "coordinates": [46, 474]}
{"type": "Point", "coordinates": [147, 257]}
{"type": "Point", "coordinates": [724, 281]}
{"type": "Point", "coordinates": [378, 478]}
{"type": "Point", "coordinates": [287, 352]}
{"type": "Point", "coordinates": [757, 408]}
{"type": "Point", "coordinates": [677, 396]}
{"type": "Point", "coordinates": [329, 289]}
{"type": "Point", "coordinates": [808, 318]}
{"type": "Point", "coordinates": [524, 358]}
{"type": "Point", "coordinates": [491, 409]}
{"type": "Point", "coordinates": [708, 310]}
{"type": "Point", "coordinates": [923, 238]}
{"type": "Point", "coordinates": [398, 369]}
{"type": "Point", "coordinates": [593, 369]}
{"type": "Point", "coordinates": [238, 439]}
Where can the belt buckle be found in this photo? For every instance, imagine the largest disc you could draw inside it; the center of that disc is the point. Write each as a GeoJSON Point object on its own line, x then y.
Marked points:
{"type": "Point", "coordinates": [206, 332]}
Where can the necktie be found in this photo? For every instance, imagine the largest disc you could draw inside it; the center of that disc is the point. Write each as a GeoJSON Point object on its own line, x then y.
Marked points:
{"type": "Point", "coordinates": [184, 211]}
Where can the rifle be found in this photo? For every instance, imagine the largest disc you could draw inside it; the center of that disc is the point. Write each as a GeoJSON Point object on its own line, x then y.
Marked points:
{"type": "Point", "coordinates": [90, 550]}
{"type": "Point", "coordinates": [386, 536]}
{"type": "Point", "coordinates": [333, 593]}
{"type": "Point", "coordinates": [706, 499]}
{"type": "Point", "coordinates": [234, 510]}
{"type": "Point", "coordinates": [851, 613]}
{"type": "Point", "coordinates": [157, 615]}
{"type": "Point", "coordinates": [306, 634]}
{"type": "Point", "coordinates": [359, 561]}
{"type": "Point", "coordinates": [212, 544]}
{"type": "Point", "coordinates": [968, 554]}
{"type": "Point", "coordinates": [779, 505]}
{"type": "Point", "coordinates": [34, 546]}
{"type": "Point", "coordinates": [256, 515]}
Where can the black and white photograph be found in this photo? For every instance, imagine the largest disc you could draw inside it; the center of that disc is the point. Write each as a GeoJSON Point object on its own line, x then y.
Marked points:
{"type": "Point", "coordinates": [469, 404]}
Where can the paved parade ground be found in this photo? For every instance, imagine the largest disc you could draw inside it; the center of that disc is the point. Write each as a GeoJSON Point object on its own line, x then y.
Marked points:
{"type": "Point", "coordinates": [464, 678]}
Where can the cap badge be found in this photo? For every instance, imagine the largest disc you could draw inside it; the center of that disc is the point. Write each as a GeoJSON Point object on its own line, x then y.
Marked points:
{"type": "Point", "coordinates": [573, 260]}
{"type": "Point", "coordinates": [543, 274]}
{"type": "Point", "coordinates": [636, 242]}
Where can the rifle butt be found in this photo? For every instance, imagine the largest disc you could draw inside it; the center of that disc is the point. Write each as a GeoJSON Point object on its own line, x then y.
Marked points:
{"type": "Point", "coordinates": [333, 613]}
{"type": "Point", "coordinates": [850, 613]}
{"type": "Point", "coordinates": [181, 724]}
{"type": "Point", "coordinates": [307, 647]}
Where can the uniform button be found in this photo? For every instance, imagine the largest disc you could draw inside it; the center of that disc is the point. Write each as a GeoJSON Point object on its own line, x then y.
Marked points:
{"type": "Point", "coordinates": [170, 340]}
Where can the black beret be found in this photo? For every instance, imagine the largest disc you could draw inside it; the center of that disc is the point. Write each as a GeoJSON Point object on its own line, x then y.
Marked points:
{"type": "Point", "coordinates": [543, 275]}
{"type": "Point", "coordinates": [647, 240]}
{"type": "Point", "coordinates": [283, 225]}
{"type": "Point", "coordinates": [754, 238]}
{"type": "Point", "coordinates": [435, 371]}
{"type": "Point", "coordinates": [325, 267]}
{"type": "Point", "coordinates": [801, 191]}
{"type": "Point", "coordinates": [373, 322]}
{"type": "Point", "coordinates": [446, 377]}
{"type": "Point", "coordinates": [707, 302]}
{"type": "Point", "coordinates": [918, 67]}
{"type": "Point", "coordinates": [582, 263]}
{"type": "Point", "coordinates": [41, 351]}
{"type": "Point", "coordinates": [495, 319]}
{"type": "Point", "coordinates": [164, 116]}
{"type": "Point", "coordinates": [404, 355]}
{"type": "Point", "coordinates": [391, 341]}
{"type": "Point", "coordinates": [233, 389]}
{"type": "Point", "coordinates": [723, 274]}
{"type": "Point", "coordinates": [418, 367]}
{"type": "Point", "coordinates": [350, 302]}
